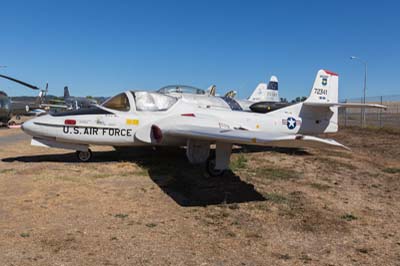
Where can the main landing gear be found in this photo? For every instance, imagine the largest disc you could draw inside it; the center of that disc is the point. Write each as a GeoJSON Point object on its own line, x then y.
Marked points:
{"type": "Point", "coordinates": [84, 156]}
{"type": "Point", "coordinates": [210, 167]}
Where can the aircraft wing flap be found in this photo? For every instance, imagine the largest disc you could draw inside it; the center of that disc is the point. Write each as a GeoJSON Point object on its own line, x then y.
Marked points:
{"type": "Point", "coordinates": [249, 137]}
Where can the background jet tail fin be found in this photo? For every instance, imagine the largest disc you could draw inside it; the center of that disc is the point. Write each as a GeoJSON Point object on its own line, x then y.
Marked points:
{"type": "Point", "coordinates": [258, 93]}
{"type": "Point", "coordinates": [212, 90]}
{"type": "Point", "coordinates": [66, 92]}
{"type": "Point", "coordinates": [266, 93]}
{"type": "Point", "coordinates": [273, 83]}
{"type": "Point", "coordinates": [272, 90]}
{"type": "Point", "coordinates": [230, 94]}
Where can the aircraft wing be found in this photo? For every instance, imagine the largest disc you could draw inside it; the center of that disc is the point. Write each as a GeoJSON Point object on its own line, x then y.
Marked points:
{"type": "Point", "coordinates": [346, 105]}
{"type": "Point", "coordinates": [238, 136]}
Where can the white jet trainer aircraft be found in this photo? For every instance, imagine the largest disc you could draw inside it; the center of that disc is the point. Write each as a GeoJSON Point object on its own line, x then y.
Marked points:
{"type": "Point", "coordinates": [140, 118]}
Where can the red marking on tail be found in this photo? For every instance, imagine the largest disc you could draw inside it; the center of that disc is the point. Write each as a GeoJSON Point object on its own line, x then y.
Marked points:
{"type": "Point", "coordinates": [331, 73]}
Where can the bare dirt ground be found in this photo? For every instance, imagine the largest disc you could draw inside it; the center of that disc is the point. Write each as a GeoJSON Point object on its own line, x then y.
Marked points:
{"type": "Point", "coordinates": [141, 207]}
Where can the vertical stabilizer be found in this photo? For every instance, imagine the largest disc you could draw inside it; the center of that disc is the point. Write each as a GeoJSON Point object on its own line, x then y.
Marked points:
{"type": "Point", "coordinates": [66, 92]}
{"type": "Point", "coordinates": [266, 92]}
{"type": "Point", "coordinates": [259, 93]}
{"type": "Point", "coordinates": [325, 88]}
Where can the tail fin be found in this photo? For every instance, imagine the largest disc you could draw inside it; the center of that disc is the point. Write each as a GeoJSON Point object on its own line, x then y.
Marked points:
{"type": "Point", "coordinates": [273, 83]}
{"type": "Point", "coordinates": [230, 94]}
{"type": "Point", "coordinates": [324, 91]}
{"type": "Point", "coordinates": [272, 90]}
{"type": "Point", "coordinates": [258, 93]}
{"type": "Point", "coordinates": [319, 113]}
{"type": "Point", "coordinates": [266, 93]}
{"type": "Point", "coordinates": [325, 88]}
{"type": "Point", "coordinates": [66, 92]}
{"type": "Point", "coordinates": [212, 90]}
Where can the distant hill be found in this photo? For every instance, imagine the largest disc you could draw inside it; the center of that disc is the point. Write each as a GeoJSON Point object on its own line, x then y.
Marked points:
{"type": "Point", "coordinates": [48, 98]}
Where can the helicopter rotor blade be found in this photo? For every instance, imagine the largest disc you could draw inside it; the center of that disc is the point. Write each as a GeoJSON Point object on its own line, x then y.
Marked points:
{"type": "Point", "coordinates": [20, 82]}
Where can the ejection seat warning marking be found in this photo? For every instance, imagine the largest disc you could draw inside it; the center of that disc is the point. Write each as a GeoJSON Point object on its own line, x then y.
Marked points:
{"type": "Point", "coordinates": [93, 131]}
{"type": "Point", "coordinates": [133, 122]}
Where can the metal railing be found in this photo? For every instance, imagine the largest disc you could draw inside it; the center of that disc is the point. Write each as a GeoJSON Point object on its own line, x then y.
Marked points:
{"type": "Point", "coordinates": [373, 117]}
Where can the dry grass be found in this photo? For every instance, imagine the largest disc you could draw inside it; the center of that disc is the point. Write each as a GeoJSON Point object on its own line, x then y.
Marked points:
{"type": "Point", "coordinates": [140, 207]}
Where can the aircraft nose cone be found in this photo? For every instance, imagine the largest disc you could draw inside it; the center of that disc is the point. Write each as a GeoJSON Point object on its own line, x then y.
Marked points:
{"type": "Point", "coordinates": [28, 127]}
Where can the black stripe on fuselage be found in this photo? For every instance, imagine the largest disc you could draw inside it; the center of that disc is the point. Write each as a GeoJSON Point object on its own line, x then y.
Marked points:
{"type": "Point", "coordinates": [80, 126]}
{"type": "Point", "coordinates": [84, 111]}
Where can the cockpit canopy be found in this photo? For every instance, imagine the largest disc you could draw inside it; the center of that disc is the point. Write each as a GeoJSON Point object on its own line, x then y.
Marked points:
{"type": "Point", "coordinates": [119, 102]}
{"type": "Point", "coordinates": [181, 89]}
{"type": "Point", "coordinates": [152, 101]}
{"type": "Point", "coordinates": [143, 101]}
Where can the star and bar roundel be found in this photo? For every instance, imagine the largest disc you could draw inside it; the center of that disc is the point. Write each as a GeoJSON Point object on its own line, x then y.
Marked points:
{"type": "Point", "coordinates": [291, 122]}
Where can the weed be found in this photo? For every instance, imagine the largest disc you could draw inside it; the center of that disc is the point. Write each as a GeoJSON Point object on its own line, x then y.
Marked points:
{"type": "Point", "coordinates": [4, 171]}
{"type": "Point", "coordinates": [253, 235]}
{"type": "Point", "coordinates": [277, 173]}
{"type": "Point", "coordinates": [348, 217]}
{"type": "Point", "coordinates": [305, 258]}
{"type": "Point", "coordinates": [100, 175]}
{"type": "Point", "coordinates": [239, 163]}
{"type": "Point", "coordinates": [233, 206]}
{"type": "Point", "coordinates": [121, 215]}
{"type": "Point", "coordinates": [335, 164]}
{"type": "Point", "coordinates": [24, 235]}
{"type": "Point", "coordinates": [276, 198]}
{"type": "Point", "coordinates": [319, 186]}
{"type": "Point", "coordinates": [231, 234]}
{"type": "Point", "coordinates": [362, 250]}
{"type": "Point", "coordinates": [391, 170]}
{"type": "Point", "coordinates": [262, 206]}
{"type": "Point", "coordinates": [151, 225]}
{"type": "Point", "coordinates": [284, 256]}
{"type": "Point", "coordinates": [389, 130]}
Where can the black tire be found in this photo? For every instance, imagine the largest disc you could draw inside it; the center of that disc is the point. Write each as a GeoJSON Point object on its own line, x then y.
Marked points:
{"type": "Point", "coordinates": [84, 156]}
{"type": "Point", "coordinates": [210, 167]}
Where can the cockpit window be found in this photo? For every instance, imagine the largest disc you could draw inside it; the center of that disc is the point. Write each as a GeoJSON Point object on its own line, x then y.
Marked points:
{"type": "Point", "coordinates": [181, 89]}
{"type": "Point", "coordinates": [119, 102]}
{"type": "Point", "coordinates": [150, 101]}
{"type": "Point", "coordinates": [233, 104]}
{"type": "Point", "coordinates": [4, 103]}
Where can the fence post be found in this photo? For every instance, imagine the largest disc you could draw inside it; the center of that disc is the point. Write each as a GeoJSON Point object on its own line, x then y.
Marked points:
{"type": "Point", "coordinates": [380, 113]}
{"type": "Point", "coordinates": [361, 115]}
{"type": "Point", "coordinates": [345, 115]}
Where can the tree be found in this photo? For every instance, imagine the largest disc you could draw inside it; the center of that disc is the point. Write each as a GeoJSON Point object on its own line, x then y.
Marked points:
{"type": "Point", "coordinates": [299, 99]}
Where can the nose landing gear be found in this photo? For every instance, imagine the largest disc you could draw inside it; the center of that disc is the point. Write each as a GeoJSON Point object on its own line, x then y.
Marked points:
{"type": "Point", "coordinates": [84, 156]}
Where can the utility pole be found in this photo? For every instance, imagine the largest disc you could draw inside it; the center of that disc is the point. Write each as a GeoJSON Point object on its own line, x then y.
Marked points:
{"type": "Point", "coordinates": [365, 88]}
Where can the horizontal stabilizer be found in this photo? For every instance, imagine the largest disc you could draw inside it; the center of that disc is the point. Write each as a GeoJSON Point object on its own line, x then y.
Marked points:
{"type": "Point", "coordinates": [346, 105]}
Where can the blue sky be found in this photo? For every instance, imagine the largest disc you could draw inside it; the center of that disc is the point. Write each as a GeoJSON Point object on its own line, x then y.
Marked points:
{"type": "Point", "coordinates": [103, 47]}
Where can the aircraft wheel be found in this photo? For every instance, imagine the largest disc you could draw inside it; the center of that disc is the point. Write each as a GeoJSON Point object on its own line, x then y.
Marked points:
{"type": "Point", "coordinates": [84, 156]}
{"type": "Point", "coordinates": [210, 168]}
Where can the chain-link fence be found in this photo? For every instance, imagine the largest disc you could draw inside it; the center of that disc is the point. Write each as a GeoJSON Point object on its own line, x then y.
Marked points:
{"type": "Point", "coordinates": [373, 117]}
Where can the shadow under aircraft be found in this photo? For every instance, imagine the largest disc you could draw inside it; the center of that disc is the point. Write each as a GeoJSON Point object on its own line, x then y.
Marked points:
{"type": "Point", "coordinates": [186, 184]}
